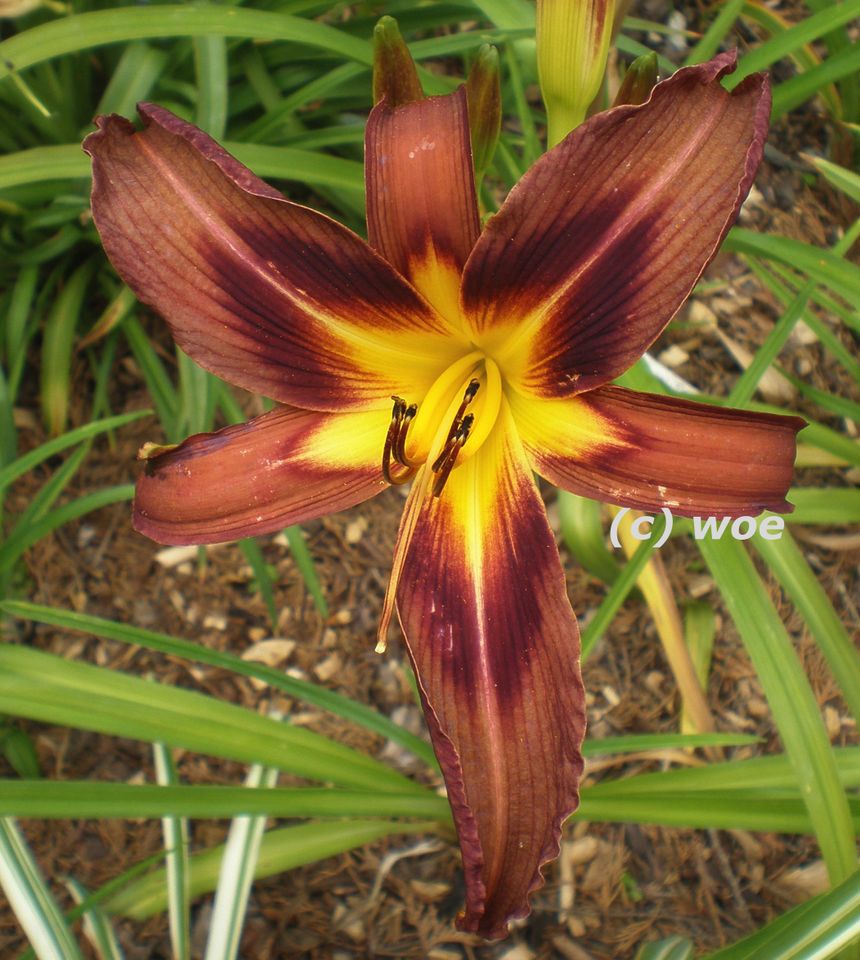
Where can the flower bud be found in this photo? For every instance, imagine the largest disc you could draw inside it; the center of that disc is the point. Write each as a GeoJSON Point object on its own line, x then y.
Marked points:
{"type": "Point", "coordinates": [573, 38]}
{"type": "Point", "coordinates": [484, 94]}
{"type": "Point", "coordinates": [639, 80]}
{"type": "Point", "coordinates": [394, 73]}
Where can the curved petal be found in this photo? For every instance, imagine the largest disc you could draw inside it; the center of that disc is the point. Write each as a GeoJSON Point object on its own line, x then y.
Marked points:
{"type": "Point", "coordinates": [603, 239]}
{"type": "Point", "coordinates": [647, 451]}
{"type": "Point", "coordinates": [267, 294]}
{"type": "Point", "coordinates": [284, 467]}
{"type": "Point", "coordinates": [495, 646]}
{"type": "Point", "coordinates": [422, 212]}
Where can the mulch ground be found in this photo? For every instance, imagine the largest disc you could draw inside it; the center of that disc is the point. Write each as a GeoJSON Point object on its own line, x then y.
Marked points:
{"type": "Point", "coordinates": [615, 886]}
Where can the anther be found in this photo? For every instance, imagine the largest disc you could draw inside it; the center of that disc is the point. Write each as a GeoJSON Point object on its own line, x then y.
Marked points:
{"type": "Point", "coordinates": [400, 440]}
{"type": "Point", "coordinates": [456, 439]}
{"type": "Point", "coordinates": [400, 417]}
{"type": "Point", "coordinates": [468, 397]}
{"type": "Point", "coordinates": [444, 463]}
{"type": "Point", "coordinates": [457, 436]}
{"type": "Point", "coordinates": [398, 467]}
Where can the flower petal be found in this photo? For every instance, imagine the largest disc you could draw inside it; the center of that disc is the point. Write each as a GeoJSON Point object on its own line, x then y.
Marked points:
{"type": "Point", "coordinates": [422, 212]}
{"type": "Point", "coordinates": [269, 295]}
{"type": "Point", "coordinates": [284, 467]}
{"type": "Point", "coordinates": [495, 646]}
{"type": "Point", "coordinates": [642, 450]}
{"type": "Point", "coordinates": [603, 239]}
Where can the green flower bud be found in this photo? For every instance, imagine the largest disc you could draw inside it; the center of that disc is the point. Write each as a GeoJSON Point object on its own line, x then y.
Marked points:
{"type": "Point", "coordinates": [639, 80]}
{"type": "Point", "coordinates": [484, 94]}
{"type": "Point", "coordinates": [394, 73]}
{"type": "Point", "coordinates": [573, 38]}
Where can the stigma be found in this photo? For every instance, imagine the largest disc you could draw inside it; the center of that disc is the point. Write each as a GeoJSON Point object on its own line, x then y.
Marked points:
{"type": "Point", "coordinates": [448, 426]}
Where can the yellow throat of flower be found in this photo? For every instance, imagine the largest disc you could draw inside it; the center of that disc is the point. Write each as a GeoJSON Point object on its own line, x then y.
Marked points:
{"type": "Point", "coordinates": [448, 426]}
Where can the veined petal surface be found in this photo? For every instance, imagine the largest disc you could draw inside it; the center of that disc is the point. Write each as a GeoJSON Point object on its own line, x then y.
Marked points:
{"type": "Point", "coordinates": [268, 294]}
{"type": "Point", "coordinates": [643, 450]}
{"type": "Point", "coordinates": [284, 467]}
{"type": "Point", "coordinates": [495, 645]}
{"type": "Point", "coordinates": [603, 239]}
{"type": "Point", "coordinates": [422, 212]}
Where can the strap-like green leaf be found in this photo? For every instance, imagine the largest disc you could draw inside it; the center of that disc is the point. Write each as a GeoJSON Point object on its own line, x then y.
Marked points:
{"type": "Point", "coordinates": [794, 706]}
{"type": "Point", "coordinates": [48, 688]}
{"type": "Point", "coordinates": [302, 690]}
{"type": "Point", "coordinates": [83, 31]}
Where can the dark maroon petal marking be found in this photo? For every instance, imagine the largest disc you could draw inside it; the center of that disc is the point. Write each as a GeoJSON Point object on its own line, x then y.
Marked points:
{"type": "Point", "coordinates": [695, 458]}
{"type": "Point", "coordinates": [268, 294]}
{"type": "Point", "coordinates": [495, 646]}
{"type": "Point", "coordinates": [604, 238]}
{"type": "Point", "coordinates": [285, 467]}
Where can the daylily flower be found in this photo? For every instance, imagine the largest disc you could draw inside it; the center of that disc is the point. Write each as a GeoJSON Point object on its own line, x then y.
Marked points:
{"type": "Point", "coordinates": [462, 359]}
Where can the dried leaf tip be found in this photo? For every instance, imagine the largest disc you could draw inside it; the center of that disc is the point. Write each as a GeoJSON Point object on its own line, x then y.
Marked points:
{"type": "Point", "coordinates": [149, 450]}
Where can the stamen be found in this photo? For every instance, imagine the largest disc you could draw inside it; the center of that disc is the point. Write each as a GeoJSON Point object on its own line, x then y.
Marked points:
{"type": "Point", "coordinates": [409, 444]}
{"type": "Point", "coordinates": [398, 479]}
{"type": "Point", "coordinates": [434, 406]}
{"type": "Point", "coordinates": [390, 437]}
{"type": "Point", "coordinates": [457, 436]}
{"type": "Point", "coordinates": [400, 440]}
{"type": "Point", "coordinates": [400, 417]}
{"type": "Point", "coordinates": [458, 430]}
{"type": "Point", "coordinates": [446, 460]}
{"type": "Point", "coordinates": [488, 410]}
{"type": "Point", "coordinates": [468, 397]}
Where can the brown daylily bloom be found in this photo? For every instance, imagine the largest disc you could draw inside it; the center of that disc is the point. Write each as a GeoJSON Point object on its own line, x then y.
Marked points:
{"type": "Point", "coordinates": [499, 347]}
